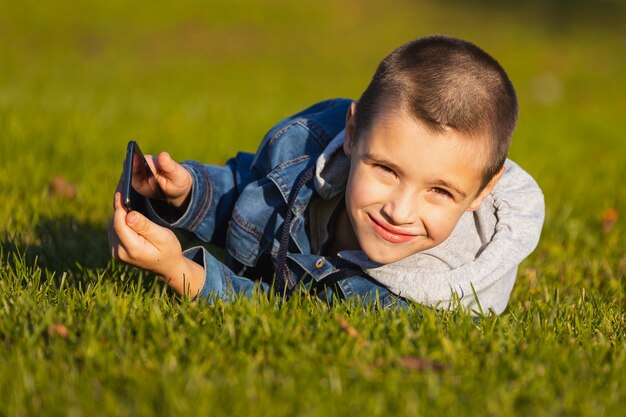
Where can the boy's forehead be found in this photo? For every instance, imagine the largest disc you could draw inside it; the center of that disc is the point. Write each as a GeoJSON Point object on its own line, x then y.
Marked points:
{"type": "Point", "coordinates": [410, 144]}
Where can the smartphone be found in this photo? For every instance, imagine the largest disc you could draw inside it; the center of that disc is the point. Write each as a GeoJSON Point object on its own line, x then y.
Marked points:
{"type": "Point", "coordinates": [138, 181]}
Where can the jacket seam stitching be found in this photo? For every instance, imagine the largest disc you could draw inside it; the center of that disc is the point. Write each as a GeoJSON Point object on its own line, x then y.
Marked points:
{"type": "Point", "coordinates": [239, 220]}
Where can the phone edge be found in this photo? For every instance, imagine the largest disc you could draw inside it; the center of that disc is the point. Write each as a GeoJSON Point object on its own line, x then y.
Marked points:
{"type": "Point", "coordinates": [128, 172]}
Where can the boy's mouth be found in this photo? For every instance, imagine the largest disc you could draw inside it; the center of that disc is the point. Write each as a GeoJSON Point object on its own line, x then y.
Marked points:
{"type": "Point", "coordinates": [388, 233]}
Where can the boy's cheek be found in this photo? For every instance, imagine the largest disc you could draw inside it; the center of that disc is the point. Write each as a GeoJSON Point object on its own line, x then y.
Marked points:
{"type": "Point", "coordinates": [363, 186]}
{"type": "Point", "coordinates": [440, 223]}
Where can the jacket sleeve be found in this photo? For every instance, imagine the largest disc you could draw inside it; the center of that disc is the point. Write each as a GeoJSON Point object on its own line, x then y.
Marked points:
{"type": "Point", "coordinates": [484, 283]}
{"type": "Point", "coordinates": [220, 282]}
{"type": "Point", "coordinates": [214, 192]}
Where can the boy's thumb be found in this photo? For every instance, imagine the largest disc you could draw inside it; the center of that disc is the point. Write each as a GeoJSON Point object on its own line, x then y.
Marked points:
{"type": "Point", "coordinates": [166, 163]}
{"type": "Point", "coordinates": [138, 222]}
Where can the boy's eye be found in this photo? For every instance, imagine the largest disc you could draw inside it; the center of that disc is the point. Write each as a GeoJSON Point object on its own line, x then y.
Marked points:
{"type": "Point", "coordinates": [385, 169]}
{"type": "Point", "coordinates": [442, 192]}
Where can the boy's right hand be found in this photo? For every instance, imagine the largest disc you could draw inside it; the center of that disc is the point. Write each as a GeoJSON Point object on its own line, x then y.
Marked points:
{"type": "Point", "coordinates": [137, 241]}
{"type": "Point", "coordinates": [173, 178]}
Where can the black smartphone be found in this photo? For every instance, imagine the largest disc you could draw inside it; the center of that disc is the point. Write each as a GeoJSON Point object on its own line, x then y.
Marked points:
{"type": "Point", "coordinates": [138, 181]}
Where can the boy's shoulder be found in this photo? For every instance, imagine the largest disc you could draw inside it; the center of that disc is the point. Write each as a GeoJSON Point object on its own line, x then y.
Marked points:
{"type": "Point", "coordinates": [302, 135]}
{"type": "Point", "coordinates": [324, 119]}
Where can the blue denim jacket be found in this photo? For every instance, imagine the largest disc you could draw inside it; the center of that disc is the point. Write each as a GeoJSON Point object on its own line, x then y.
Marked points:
{"type": "Point", "coordinates": [242, 205]}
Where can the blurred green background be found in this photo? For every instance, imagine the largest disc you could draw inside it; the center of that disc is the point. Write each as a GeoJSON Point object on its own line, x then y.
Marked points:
{"type": "Point", "coordinates": [205, 79]}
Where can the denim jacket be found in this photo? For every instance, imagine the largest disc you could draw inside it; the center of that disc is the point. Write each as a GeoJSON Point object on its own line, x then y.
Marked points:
{"type": "Point", "coordinates": [242, 206]}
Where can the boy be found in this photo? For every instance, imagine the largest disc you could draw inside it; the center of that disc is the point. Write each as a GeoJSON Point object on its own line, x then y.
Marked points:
{"type": "Point", "coordinates": [405, 194]}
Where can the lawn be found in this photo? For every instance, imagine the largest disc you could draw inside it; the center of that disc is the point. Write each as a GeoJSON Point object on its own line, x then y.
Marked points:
{"type": "Point", "coordinates": [83, 335]}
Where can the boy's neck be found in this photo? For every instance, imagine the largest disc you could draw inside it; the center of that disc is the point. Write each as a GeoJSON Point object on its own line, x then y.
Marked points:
{"type": "Point", "coordinates": [343, 237]}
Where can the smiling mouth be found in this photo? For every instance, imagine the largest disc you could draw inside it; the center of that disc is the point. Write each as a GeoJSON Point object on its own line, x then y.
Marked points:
{"type": "Point", "coordinates": [390, 235]}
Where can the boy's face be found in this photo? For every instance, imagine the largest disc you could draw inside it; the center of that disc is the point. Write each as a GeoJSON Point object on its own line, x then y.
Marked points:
{"type": "Point", "coordinates": [407, 186]}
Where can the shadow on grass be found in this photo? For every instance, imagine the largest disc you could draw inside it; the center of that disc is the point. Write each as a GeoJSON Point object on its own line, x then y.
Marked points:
{"type": "Point", "coordinates": [74, 253]}
{"type": "Point", "coordinates": [78, 253]}
{"type": "Point", "coordinates": [61, 245]}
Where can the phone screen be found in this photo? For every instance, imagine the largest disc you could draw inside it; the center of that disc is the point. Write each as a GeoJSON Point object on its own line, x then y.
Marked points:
{"type": "Point", "coordinates": [138, 181]}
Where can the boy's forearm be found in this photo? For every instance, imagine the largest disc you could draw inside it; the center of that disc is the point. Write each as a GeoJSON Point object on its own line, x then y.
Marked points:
{"type": "Point", "coordinates": [187, 279]}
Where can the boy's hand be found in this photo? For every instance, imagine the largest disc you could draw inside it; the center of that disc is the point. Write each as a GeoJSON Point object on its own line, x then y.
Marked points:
{"type": "Point", "coordinates": [173, 178]}
{"type": "Point", "coordinates": [137, 241]}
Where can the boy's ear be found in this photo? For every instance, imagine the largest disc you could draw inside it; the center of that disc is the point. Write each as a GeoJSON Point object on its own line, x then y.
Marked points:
{"type": "Point", "coordinates": [485, 191]}
{"type": "Point", "coordinates": [350, 125]}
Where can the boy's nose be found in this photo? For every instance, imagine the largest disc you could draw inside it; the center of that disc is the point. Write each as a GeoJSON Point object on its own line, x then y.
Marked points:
{"type": "Point", "coordinates": [401, 209]}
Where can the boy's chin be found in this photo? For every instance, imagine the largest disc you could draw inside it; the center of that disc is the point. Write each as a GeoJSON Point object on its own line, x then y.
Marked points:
{"type": "Point", "coordinates": [383, 257]}
{"type": "Point", "coordinates": [391, 255]}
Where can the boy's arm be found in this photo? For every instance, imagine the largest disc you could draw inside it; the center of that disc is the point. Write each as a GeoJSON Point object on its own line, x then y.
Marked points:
{"type": "Point", "coordinates": [195, 273]}
{"type": "Point", "coordinates": [218, 282]}
{"type": "Point", "coordinates": [519, 207]}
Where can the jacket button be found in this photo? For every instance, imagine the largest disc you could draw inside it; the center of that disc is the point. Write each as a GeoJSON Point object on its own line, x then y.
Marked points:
{"type": "Point", "coordinates": [320, 263]}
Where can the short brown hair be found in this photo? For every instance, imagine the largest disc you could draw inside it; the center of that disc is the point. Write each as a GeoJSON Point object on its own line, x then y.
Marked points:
{"type": "Point", "coordinates": [445, 82]}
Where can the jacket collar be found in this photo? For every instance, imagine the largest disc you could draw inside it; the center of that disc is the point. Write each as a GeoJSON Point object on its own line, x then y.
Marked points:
{"type": "Point", "coordinates": [286, 174]}
{"type": "Point", "coordinates": [331, 169]}
{"type": "Point", "coordinates": [331, 174]}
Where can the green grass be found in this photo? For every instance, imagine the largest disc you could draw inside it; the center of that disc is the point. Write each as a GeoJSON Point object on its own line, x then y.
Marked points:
{"type": "Point", "coordinates": [82, 335]}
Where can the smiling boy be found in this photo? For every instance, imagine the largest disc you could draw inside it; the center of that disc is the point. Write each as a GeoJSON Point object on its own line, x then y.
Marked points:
{"type": "Point", "coordinates": [405, 194]}
{"type": "Point", "coordinates": [408, 187]}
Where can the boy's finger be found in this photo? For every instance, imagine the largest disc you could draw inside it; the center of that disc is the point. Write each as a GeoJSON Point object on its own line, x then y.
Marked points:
{"type": "Point", "coordinates": [167, 166]}
{"type": "Point", "coordinates": [125, 234]}
{"type": "Point", "coordinates": [179, 176]}
{"type": "Point", "coordinates": [164, 168]}
{"type": "Point", "coordinates": [143, 227]}
{"type": "Point", "coordinates": [117, 201]}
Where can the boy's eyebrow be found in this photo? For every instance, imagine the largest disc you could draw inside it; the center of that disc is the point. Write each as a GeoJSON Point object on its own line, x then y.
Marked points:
{"type": "Point", "coordinates": [381, 160]}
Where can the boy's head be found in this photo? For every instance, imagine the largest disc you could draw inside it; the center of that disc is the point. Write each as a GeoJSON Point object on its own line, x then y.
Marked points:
{"type": "Point", "coordinates": [427, 141]}
{"type": "Point", "coordinates": [446, 84]}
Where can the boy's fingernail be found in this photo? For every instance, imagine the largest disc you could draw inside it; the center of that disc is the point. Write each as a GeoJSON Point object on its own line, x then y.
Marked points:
{"type": "Point", "coordinates": [131, 218]}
